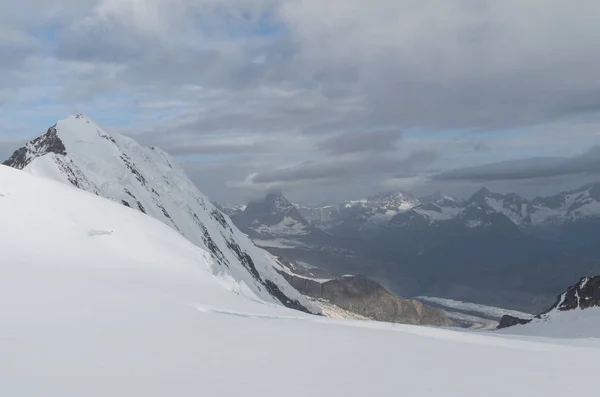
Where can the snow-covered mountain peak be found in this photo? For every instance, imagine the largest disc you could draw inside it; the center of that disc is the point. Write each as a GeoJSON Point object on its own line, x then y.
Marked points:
{"type": "Point", "coordinates": [279, 203]}
{"type": "Point", "coordinates": [481, 195]}
{"type": "Point", "coordinates": [273, 217]}
{"type": "Point", "coordinates": [392, 201]}
{"type": "Point", "coordinates": [77, 151]}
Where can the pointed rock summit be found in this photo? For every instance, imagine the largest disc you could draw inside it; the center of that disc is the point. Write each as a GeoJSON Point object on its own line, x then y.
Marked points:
{"type": "Point", "coordinates": [274, 216]}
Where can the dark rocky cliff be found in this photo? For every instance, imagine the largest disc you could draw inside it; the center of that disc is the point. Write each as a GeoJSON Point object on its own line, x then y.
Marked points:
{"type": "Point", "coordinates": [582, 295]}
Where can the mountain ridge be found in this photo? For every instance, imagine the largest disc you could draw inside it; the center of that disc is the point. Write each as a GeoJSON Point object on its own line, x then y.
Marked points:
{"type": "Point", "coordinates": [584, 294]}
{"type": "Point", "coordinates": [78, 152]}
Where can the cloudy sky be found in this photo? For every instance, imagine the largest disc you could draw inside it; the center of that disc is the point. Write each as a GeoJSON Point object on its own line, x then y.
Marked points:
{"type": "Point", "coordinates": [321, 99]}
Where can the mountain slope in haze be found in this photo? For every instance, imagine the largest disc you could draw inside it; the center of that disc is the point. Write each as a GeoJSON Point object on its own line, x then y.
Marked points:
{"type": "Point", "coordinates": [377, 209]}
{"type": "Point", "coordinates": [273, 217]}
{"type": "Point", "coordinates": [76, 151]}
{"type": "Point", "coordinates": [98, 300]}
{"type": "Point", "coordinates": [574, 206]}
{"type": "Point", "coordinates": [494, 249]}
{"type": "Point", "coordinates": [276, 219]}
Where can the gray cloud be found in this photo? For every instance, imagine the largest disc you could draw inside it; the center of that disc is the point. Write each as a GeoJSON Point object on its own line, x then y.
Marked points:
{"type": "Point", "coordinates": [462, 66]}
{"type": "Point", "coordinates": [354, 142]}
{"type": "Point", "coordinates": [348, 168]}
{"type": "Point", "coordinates": [269, 81]}
{"type": "Point", "coordinates": [533, 168]}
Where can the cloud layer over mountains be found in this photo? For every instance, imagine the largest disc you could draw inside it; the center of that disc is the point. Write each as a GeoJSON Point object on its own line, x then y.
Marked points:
{"type": "Point", "coordinates": [297, 92]}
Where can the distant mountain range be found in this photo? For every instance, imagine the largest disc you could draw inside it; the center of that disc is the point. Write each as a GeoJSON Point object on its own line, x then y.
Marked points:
{"type": "Point", "coordinates": [400, 209]}
{"type": "Point", "coordinates": [496, 249]}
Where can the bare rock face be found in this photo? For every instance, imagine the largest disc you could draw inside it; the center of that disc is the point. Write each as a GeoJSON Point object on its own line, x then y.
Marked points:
{"type": "Point", "coordinates": [47, 143]}
{"type": "Point", "coordinates": [582, 295]}
{"type": "Point", "coordinates": [363, 296]}
{"type": "Point", "coordinates": [508, 321]}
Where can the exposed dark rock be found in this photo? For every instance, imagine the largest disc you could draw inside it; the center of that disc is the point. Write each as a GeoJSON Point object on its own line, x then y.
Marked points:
{"type": "Point", "coordinates": [107, 137]}
{"type": "Point", "coordinates": [129, 163]}
{"type": "Point", "coordinates": [47, 143]}
{"type": "Point", "coordinates": [127, 192]}
{"type": "Point", "coordinates": [141, 207]}
{"type": "Point", "coordinates": [201, 202]}
{"type": "Point", "coordinates": [272, 288]}
{"type": "Point", "coordinates": [74, 174]}
{"type": "Point", "coordinates": [281, 297]}
{"type": "Point", "coordinates": [509, 321]}
{"type": "Point", "coordinates": [364, 296]}
{"type": "Point", "coordinates": [214, 249]}
{"type": "Point", "coordinates": [244, 258]}
{"type": "Point", "coordinates": [125, 203]}
{"type": "Point", "coordinates": [219, 217]}
{"type": "Point", "coordinates": [582, 295]}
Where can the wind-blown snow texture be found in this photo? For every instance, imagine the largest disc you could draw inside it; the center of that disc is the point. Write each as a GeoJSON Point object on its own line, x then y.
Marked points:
{"type": "Point", "coordinates": [77, 151]}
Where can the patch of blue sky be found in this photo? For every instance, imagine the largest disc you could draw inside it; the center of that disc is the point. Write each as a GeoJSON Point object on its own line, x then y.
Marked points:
{"type": "Point", "coordinates": [48, 36]}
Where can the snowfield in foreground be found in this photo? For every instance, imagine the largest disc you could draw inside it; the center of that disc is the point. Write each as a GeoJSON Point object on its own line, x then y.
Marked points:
{"type": "Point", "coordinates": [100, 300]}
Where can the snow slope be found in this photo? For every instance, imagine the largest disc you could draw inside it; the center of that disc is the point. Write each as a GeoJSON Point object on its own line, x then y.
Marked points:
{"type": "Point", "coordinates": [99, 300]}
{"type": "Point", "coordinates": [570, 324]}
{"type": "Point", "coordinates": [78, 152]}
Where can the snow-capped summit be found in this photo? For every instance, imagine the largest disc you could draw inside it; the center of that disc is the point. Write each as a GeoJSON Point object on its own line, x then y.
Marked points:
{"type": "Point", "coordinates": [441, 200]}
{"type": "Point", "coordinates": [391, 203]}
{"type": "Point", "coordinates": [273, 217]}
{"type": "Point", "coordinates": [574, 206]}
{"type": "Point", "coordinates": [511, 205]}
{"type": "Point", "coordinates": [78, 152]}
{"type": "Point", "coordinates": [571, 206]}
{"type": "Point", "coordinates": [377, 209]}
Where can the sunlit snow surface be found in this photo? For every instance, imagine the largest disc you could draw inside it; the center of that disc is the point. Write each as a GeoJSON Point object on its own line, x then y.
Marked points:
{"type": "Point", "coordinates": [137, 313]}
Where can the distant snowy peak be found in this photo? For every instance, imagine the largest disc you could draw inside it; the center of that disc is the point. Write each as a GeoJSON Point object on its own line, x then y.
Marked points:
{"type": "Point", "coordinates": [385, 203]}
{"type": "Point", "coordinates": [392, 201]}
{"type": "Point", "coordinates": [442, 200]}
{"type": "Point", "coordinates": [77, 151]}
{"type": "Point", "coordinates": [485, 209]}
{"type": "Point", "coordinates": [510, 206]}
{"type": "Point", "coordinates": [377, 209]}
{"type": "Point", "coordinates": [273, 217]}
{"type": "Point", "coordinates": [278, 205]}
{"type": "Point", "coordinates": [571, 206]}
